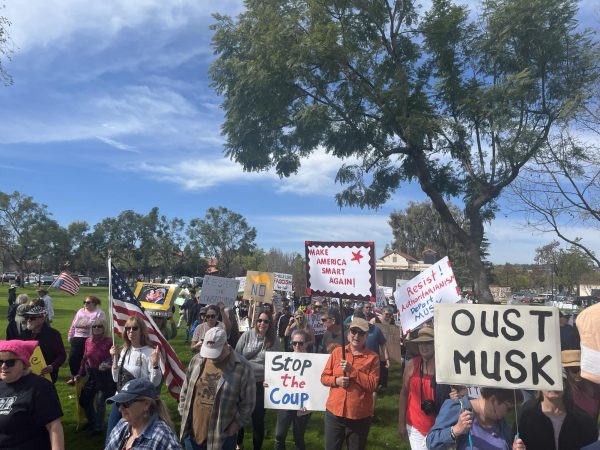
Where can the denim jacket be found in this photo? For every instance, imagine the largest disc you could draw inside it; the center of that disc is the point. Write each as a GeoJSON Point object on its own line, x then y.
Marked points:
{"type": "Point", "coordinates": [439, 437]}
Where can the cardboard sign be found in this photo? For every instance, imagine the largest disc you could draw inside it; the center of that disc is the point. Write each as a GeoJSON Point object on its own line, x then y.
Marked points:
{"type": "Point", "coordinates": [294, 381]}
{"type": "Point", "coordinates": [416, 298]}
{"type": "Point", "coordinates": [341, 269]}
{"type": "Point", "coordinates": [242, 285]}
{"type": "Point", "coordinates": [314, 320]}
{"type": "Point", "coordinates": [380, 299]}
{"type": "Point", "coordinates": [283, 282]}
{"type": "Point", "coordinates": [259, 286]}
{"type": "Point", "coordinates": [219, 290]}
{"type": "Point", "coordinates": [37, 363]}
{"type": "Point", "coordinates": [498, 346]}
{"type": "Point", "coordinates": [277, 303]}
{"type": "Point", "coordinates": [394, 342]}
{"type": "Point", "coordinates": [388, 291]}
{"type": "Point", "coordinates": [156, 297]}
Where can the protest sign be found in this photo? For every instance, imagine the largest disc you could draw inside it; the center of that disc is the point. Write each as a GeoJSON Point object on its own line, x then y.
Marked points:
{"type": "Point", "coordinates": [341, 269]}
{"type": "Point", "coordinates": [380, 299]}
{"type": "Point", "coordinates": [259, 286]}
{"type": "Point", "coordinates": [294, 381]}
{"type": "Point", "coordinates": [242, 285]}
{"type": "Point", "coordinates": [498, 346]}
{"type": "Point", "coordinates": [400, 282]}
{"type": "Point", "coordinates": [283, 282]}
{"type": "Point", "coordinates": [277, 303]}
{"type": "Point", "coordinates": [157, 297]}
{"type": "Point", "coordinates": [501, 294]}
{"type": "Point", "coordinates": [388, 291]}
{"type": "Point", "coordinates": [219, 290]}
{"type": "Point", "coordinates": [415, 298]}
{"type": "Point", "coordinates": [394, 343]}
{"type": "Point", "coordinates": [314, 320]}
{"type": "Point", "coordinates": [37, 363]}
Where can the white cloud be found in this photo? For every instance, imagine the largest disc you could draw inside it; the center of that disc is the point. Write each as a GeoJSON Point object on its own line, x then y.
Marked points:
{"type": "Point", "coordinates": [117, 144]}
{"type": "Point", "coordinates": [289, 232]}
{"type": "Point", "coordinates": [511, 241]}
{"type": "Point", "coordinates": [46, 23]}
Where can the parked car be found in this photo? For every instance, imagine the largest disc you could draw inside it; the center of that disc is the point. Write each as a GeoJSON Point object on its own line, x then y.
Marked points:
{"type": "Point", "coordinates": [101, 281]}
{"type": "Point", "coordinates": [9, 276]}
{"type": "Point", "coordinates": [85, 281]}
{"type": "Point", "coordinates": [47, 280]}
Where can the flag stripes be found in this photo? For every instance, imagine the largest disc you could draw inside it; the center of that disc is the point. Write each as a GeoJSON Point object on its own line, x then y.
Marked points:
{"type": "Point", "coordinates": [123, 306]}
{"type": "Point", "coordinates": [66, 282]}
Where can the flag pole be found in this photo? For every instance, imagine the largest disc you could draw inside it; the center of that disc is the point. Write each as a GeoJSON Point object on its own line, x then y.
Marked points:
{"type": "Point", "coordinates": [110, 305]}
{"type": "Point", "coordinates": [343, 338]}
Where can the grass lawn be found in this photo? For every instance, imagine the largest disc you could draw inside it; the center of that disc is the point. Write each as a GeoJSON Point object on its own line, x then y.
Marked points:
{"type": "Point", "coordinates": [383, 434]}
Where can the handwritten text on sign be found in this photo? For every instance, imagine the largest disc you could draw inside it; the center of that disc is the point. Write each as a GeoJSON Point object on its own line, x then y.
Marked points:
{"type": "Point", "coordinates": [294, 381]}
{"type": "Point", "coordinates": [498, 346]}
{"type": "Point", "coordinates": [283, 282]}
{"type": "Point", "coordinates": [341, 268]}
{"type": "Point", "coordinates": [416, 298]}
{"type": "Point", "coordinates": [219, 290]}
{"type": "Point", "coordinates": [259, 286]}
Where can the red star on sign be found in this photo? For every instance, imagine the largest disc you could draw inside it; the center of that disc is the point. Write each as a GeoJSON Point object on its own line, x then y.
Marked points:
{"type": "Point", "coordinates": [356, 256]}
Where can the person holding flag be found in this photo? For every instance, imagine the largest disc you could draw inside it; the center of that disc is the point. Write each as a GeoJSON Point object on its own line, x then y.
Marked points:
{"type": "Point", "coordinates": [130, 320]}
{"type": "Point", "coordinates": [136, 360]}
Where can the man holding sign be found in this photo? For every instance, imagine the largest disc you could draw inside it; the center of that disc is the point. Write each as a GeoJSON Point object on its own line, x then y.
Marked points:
{"type": "Point", "coordinates": [352, 381]}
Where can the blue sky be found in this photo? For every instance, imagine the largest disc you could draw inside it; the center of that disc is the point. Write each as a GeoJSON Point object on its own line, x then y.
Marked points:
{"type": "Point", "coordinates": [111, 109]}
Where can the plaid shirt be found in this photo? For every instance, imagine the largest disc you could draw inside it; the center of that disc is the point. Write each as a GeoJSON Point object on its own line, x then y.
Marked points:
{"type": "Point", "coordinates": [234, 401]}
{"type": "Point", "coordinates": [156, 436]}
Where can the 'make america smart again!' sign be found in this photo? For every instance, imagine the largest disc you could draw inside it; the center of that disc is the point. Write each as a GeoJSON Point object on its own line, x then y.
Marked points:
{"type": "Point", "coordinates": [341, 269]}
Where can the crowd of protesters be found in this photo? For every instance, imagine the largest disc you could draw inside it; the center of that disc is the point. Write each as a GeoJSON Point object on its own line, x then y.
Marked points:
{"type": "Point", "coordinates": [224, 388]}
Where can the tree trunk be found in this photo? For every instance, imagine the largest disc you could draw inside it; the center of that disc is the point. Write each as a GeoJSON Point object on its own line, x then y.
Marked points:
{"type": "Point", "coordinates": [477, 269]}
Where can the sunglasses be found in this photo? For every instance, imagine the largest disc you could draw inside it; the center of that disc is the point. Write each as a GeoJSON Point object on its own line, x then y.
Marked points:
{"type": "Point", "coordinates": [88, 303]}
{"type": "Point", "coordinates": [210, 316]}
{"type": "Point", "coordinates": [128, 329]}
{"type": "Point", "coordinates": [129, 403]}
{"type": "Point", "coordinates": [295, 343]}
{"type": "Point", "coordinates": [33, 318]}
{"type": "Point", "coordinates": [357, 331]}
{"type": "Point", "coordinates": [263, 321]}
{"type": "Point", "coordinates": [325, 319]}
{"type": "Point", "coordinates": [97, 326]}
{"type": "Point", "coordinates": [8, 362]}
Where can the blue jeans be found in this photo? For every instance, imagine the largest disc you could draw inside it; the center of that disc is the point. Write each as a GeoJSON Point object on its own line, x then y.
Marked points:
{"type": "Point", "coordinates": [229, 444]}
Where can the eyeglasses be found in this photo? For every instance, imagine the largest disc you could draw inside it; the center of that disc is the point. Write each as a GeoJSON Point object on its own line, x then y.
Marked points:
{"type": "Point", "coordinates": [357, 331]}
{"type": "Point", "coordinates": [129, 403]}
{"type": "Point", "coordinates": [8, 362]}
{"type": "Point", "coordinates": [30, 318]}
{"type": "Point", "coordinates": [88, 303]}
{"type": "Point", "coordinates": [295, 343]}
{"type": "Point", "coordinates": [128, 329]}
{"type": "Point", "coordinates": [97, 326]}
{"type": "Point", "coordinates": [388, 315]}
{"type": "Point", "coordinates": [263, 321]}
{"type": "Point", "coordinates": [210, 316]}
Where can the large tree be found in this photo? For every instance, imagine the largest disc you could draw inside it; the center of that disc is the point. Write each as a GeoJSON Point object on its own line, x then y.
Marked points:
{"type": "Point", "coordinates": [419, 227]}
{"type": "Point", "coordinates": [222, 235]}
{"type": "Point", "coordinates": [458, 105]}
{"type": "Point", "coordinates": [27, 232]}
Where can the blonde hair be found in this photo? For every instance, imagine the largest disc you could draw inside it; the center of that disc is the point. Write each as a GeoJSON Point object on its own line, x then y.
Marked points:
{"type": "Point", "coordinates": [22, 299]}
{"type": "Point", "coordinates": [158, 407]}
{"type": "Point", "coordinates": [103, 322]}
{"type": "Point", "coordinates": [144, 337]}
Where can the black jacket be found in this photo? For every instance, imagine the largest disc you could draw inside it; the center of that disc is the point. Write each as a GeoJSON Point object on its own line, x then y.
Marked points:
{"type": "Point", "coordinates": [535, 428]}
{"type": "Point", "coordinates": [52, 347]}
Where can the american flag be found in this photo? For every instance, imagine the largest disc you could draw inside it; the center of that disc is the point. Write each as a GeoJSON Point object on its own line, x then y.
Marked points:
{"type": "Point", "coordinates": [67, 283]}
{"type": "Point", "coordinates": [123, 306]}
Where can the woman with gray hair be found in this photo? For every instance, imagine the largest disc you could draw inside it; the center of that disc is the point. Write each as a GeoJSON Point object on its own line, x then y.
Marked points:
{"type": "Point", "coordinates": [16, 318]}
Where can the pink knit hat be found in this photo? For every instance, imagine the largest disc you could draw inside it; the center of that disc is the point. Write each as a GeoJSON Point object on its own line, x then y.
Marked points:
{"type": "Point", "coordinates": [23, 349]}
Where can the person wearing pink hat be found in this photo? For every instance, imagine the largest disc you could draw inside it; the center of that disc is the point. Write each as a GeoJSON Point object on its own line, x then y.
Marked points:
{"type": "Point", "coordinates": [30, 410]}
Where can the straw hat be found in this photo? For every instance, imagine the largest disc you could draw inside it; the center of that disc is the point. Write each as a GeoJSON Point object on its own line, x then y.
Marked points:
{"type": "Point", "coordinates": [570, 358]}
{"type": "Point", "coordinates": [425, 335]}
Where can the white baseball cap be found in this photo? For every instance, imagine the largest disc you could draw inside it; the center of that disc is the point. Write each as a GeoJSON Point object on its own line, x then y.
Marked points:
{"type": "Point", "coordinates": [214, 341]}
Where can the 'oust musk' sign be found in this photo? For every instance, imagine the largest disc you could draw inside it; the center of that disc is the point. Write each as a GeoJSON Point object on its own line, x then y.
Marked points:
{"type": "Point", "coordinates": [498, 346]}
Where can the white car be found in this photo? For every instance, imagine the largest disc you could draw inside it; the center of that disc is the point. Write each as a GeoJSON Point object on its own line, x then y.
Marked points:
{"type": "Point", "coordinates": [85, 281]}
